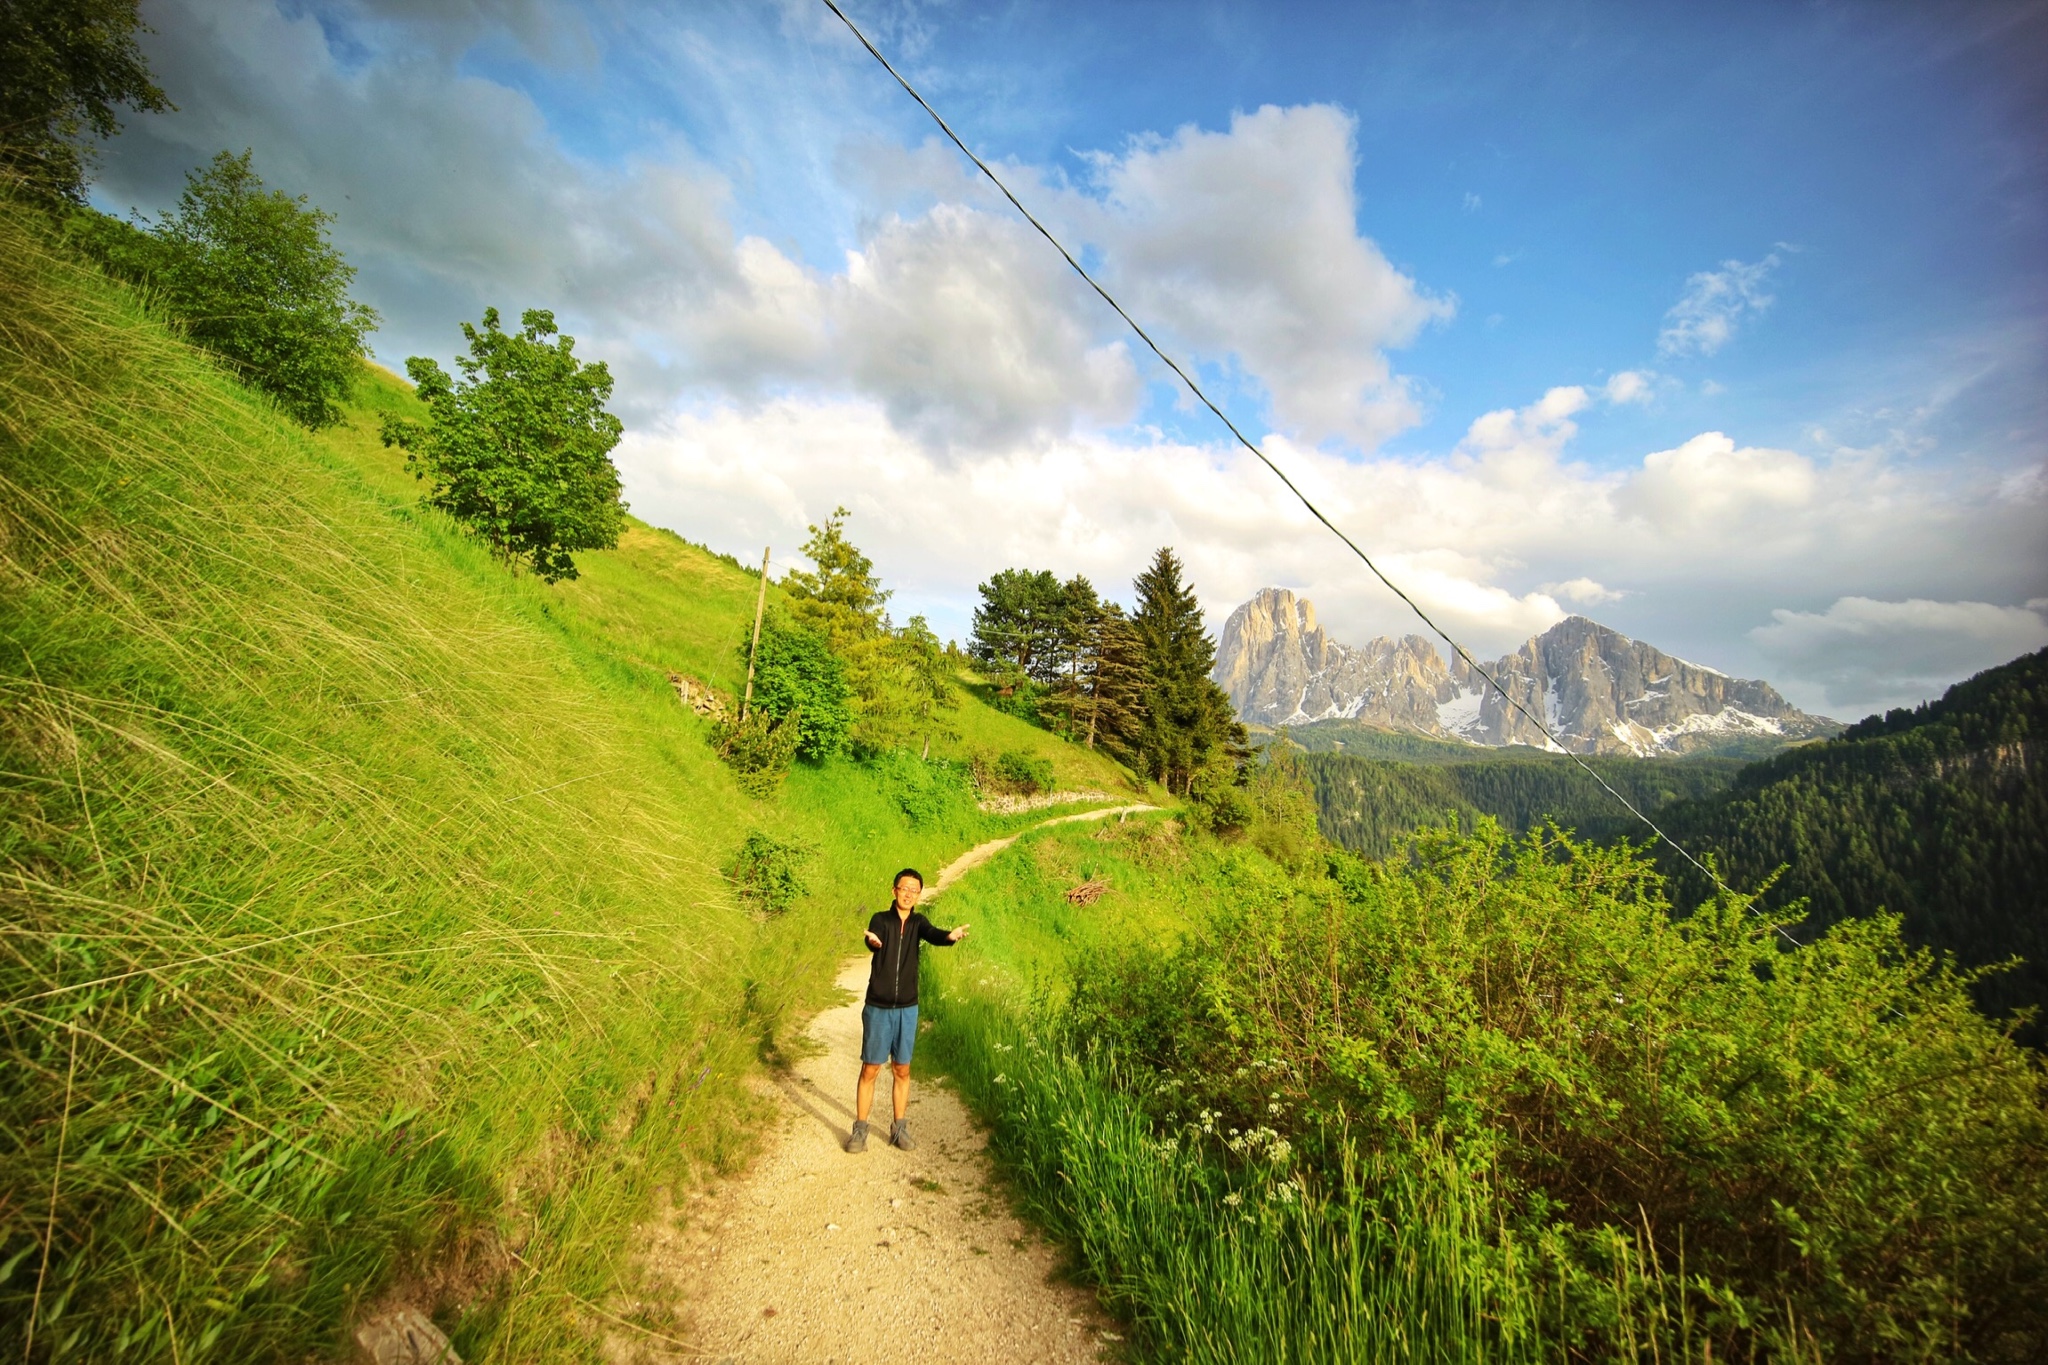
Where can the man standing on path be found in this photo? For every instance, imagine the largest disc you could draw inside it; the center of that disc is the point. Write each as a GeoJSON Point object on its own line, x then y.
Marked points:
{"type": "Point", "coordinates": [888, 1021]}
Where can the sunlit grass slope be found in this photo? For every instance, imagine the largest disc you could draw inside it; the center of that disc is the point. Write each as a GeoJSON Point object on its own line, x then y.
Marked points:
{"type": "Point", "coordinates": [363, 919]}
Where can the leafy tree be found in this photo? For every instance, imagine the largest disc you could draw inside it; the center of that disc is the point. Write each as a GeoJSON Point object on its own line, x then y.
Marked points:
{"type": "Point", "coordinates": [65, 66]}
{"type": "Point", "coordinates": [251, 275]}
{"type": "Point", "coordinates": [519, 450]}
{"type": "Point", "coordinates": [1187, 716]}
{"type": "Point", "coordinates": [798, 678]}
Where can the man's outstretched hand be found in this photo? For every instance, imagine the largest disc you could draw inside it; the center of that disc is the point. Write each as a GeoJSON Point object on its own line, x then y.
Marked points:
{"type": "Point", "coordinates": [873, 942]}
{"type": "Point", "coordinates": [953, 937]}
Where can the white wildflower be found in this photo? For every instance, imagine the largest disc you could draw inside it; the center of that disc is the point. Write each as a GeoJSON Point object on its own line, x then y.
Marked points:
{"type": "Point", "coordinates": [1233, 1199]}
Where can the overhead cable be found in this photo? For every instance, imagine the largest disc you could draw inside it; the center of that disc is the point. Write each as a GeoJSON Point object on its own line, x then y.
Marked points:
{"type": "Point", "coordinates": [1196, 389]}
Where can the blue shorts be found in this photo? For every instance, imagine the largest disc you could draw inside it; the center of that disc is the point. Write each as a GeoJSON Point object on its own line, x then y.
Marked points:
{"type": "Point", "coordinates": [887, 1034]}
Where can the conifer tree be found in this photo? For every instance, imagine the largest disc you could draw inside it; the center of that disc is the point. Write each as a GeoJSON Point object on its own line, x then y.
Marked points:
{"type": "Point", "coordinates": [928, 681]}
{"type": "Point", "coordinates": [1071, 655]}
{"type": "Point", "coordinates": [1188, 718]}
{"type": "Point", "coordinates": [1117, 682]}
{"type": "Point", "coordinates": [843, 596]}
{"type": "Point", "coordinates": [1016, 625]}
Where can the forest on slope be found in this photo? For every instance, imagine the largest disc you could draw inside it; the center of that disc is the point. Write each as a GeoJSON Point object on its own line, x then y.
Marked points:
{"type": "Point", "coordinates": [1938, 814]}
{"type": "Point", "coordinates": [1371, 805]}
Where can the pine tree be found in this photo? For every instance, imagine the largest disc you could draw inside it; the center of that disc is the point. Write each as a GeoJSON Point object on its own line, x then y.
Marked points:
{"type": "Point", "coordinates": [1117, 682]}
{"type": "Point", "coordinates": [1070, 655]}
{"type": "Point", "coordinates": [1188, 718]}
{"type": "Point", "coordinates": [843, 596]}
{"type": "Point", "coordinates": [1016, 624]}
{"type": "Point", "coordinates": [928, 678]}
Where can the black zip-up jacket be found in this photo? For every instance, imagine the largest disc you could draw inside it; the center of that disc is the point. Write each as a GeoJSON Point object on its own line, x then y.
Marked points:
{"type": "Point", "coordinates": [892, 977]}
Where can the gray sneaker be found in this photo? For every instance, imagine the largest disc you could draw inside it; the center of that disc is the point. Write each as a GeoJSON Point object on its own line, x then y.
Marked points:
{"type": "Point", "coordinates": [899, 1136]}
{"type": "Point", "coordinates": [858, 1142]}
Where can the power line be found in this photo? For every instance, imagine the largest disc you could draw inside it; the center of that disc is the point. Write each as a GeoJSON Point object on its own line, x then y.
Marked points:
{"type": "Point", "coordinates": [1459, 650]}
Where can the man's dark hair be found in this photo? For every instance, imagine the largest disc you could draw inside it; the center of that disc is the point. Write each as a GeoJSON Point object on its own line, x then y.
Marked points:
{"type": "Point", "coordinates": [907, 872]}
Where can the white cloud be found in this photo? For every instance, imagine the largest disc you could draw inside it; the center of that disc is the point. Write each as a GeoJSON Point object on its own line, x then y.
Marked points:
{"type": "Point", "coordinates": [1472, 202]}
{"type": "Point", "coordinates": [951, 382]}
{"type": "Point", "coordinates": [1709, 483]}
{"type": "Point", "coordinates": [1583, 592]}
{"type": "Point", "coordinates": [452, 194]}
{"type": "Point", "coordinates": [1714, 304]}
{"type": "Point", "coordinates": [968, 328]}
{"type": "Point", "coordinates": [1872, 654]}
{"type": "Point", "coordinates": [1245, 243]}
{"type": "Point", "coordinates": [1630, 386]}
{"type": "Point", "coordinates": [1687, 548]}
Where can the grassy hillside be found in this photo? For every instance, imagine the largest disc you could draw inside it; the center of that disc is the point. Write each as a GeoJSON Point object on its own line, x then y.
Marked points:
{"type": "Point", "coordinates": [1939, 814]}
{"type": "Point", "coordinates": [365, 931]}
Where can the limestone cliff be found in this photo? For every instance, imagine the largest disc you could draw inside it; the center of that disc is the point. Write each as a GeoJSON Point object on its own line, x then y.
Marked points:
{"type": "Point", "coordinates": [1596, 689]}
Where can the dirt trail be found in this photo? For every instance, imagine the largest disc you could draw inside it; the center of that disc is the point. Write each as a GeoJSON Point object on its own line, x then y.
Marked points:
{"type": "Point", "coordinates": [817, 1256]}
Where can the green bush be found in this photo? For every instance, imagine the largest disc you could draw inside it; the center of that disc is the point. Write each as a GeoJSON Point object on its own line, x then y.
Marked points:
{"type": "Point", "coordinates": [758, 749]}
{"type": "Point", "coordinates": [1017, 772]}
{"type": "Point", "coordinates": [1829, 1136]}
{"type": "Point", "coordinates": [798, 679]}
{"type": "Point", "coordinates": [1217, 800]}
{"type": "Point", "coordinates": [767, 873]}
{"type": "Point", "coordinates": [929, 792]}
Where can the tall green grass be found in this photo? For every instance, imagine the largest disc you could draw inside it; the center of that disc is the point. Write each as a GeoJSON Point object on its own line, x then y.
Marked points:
{"type": "Point", "coordinates": [362, 933]}
{"type": "Point", "coordinates": [1279, 1115]}
{"type": "Point", "coordinates": [1226, 1264]}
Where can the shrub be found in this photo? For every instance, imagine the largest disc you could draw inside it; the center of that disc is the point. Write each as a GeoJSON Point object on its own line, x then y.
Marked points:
{"type": "Point", "coordinates": [1015, 772]}
{"type": "Point", "coordinates": [1217, 800]}
{"type": "Point", "coordinates": [758, 749]}
{"type": "Point", "coordinates": [767, 873]}
{"type": "Point", "coordinates": [1830, 1135]}
{"type": "Point", "coordinates": [927, 791]}
{"type": "Point", "coordinates": [800, 681]}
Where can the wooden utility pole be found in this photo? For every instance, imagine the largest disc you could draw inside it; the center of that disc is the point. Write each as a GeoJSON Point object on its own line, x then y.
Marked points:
{"type": "Point", "coordinates": [754, 648]}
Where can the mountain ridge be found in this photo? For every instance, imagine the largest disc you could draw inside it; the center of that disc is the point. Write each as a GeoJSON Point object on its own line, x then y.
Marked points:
{"type": "Point", "coordinates": [1597, 690]}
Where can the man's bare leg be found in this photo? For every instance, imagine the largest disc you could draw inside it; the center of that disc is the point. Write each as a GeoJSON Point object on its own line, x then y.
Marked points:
{"type": "Point", "coordinates": [864, 1093]}
{"type": "Point", "coordinates": [899, 1088]}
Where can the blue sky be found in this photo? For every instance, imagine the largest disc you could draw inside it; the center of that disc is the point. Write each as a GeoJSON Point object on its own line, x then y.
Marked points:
{"type": "Point", "coordinates": [1725, 325]}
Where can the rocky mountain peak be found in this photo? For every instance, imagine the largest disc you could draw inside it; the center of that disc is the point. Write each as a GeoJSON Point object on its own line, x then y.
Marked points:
{"type": "Point", "coordinates": [1596, 689]}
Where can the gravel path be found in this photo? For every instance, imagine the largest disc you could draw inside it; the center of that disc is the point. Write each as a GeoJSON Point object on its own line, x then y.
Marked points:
{"type": "Point", "coordinates": [818, 1256]}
